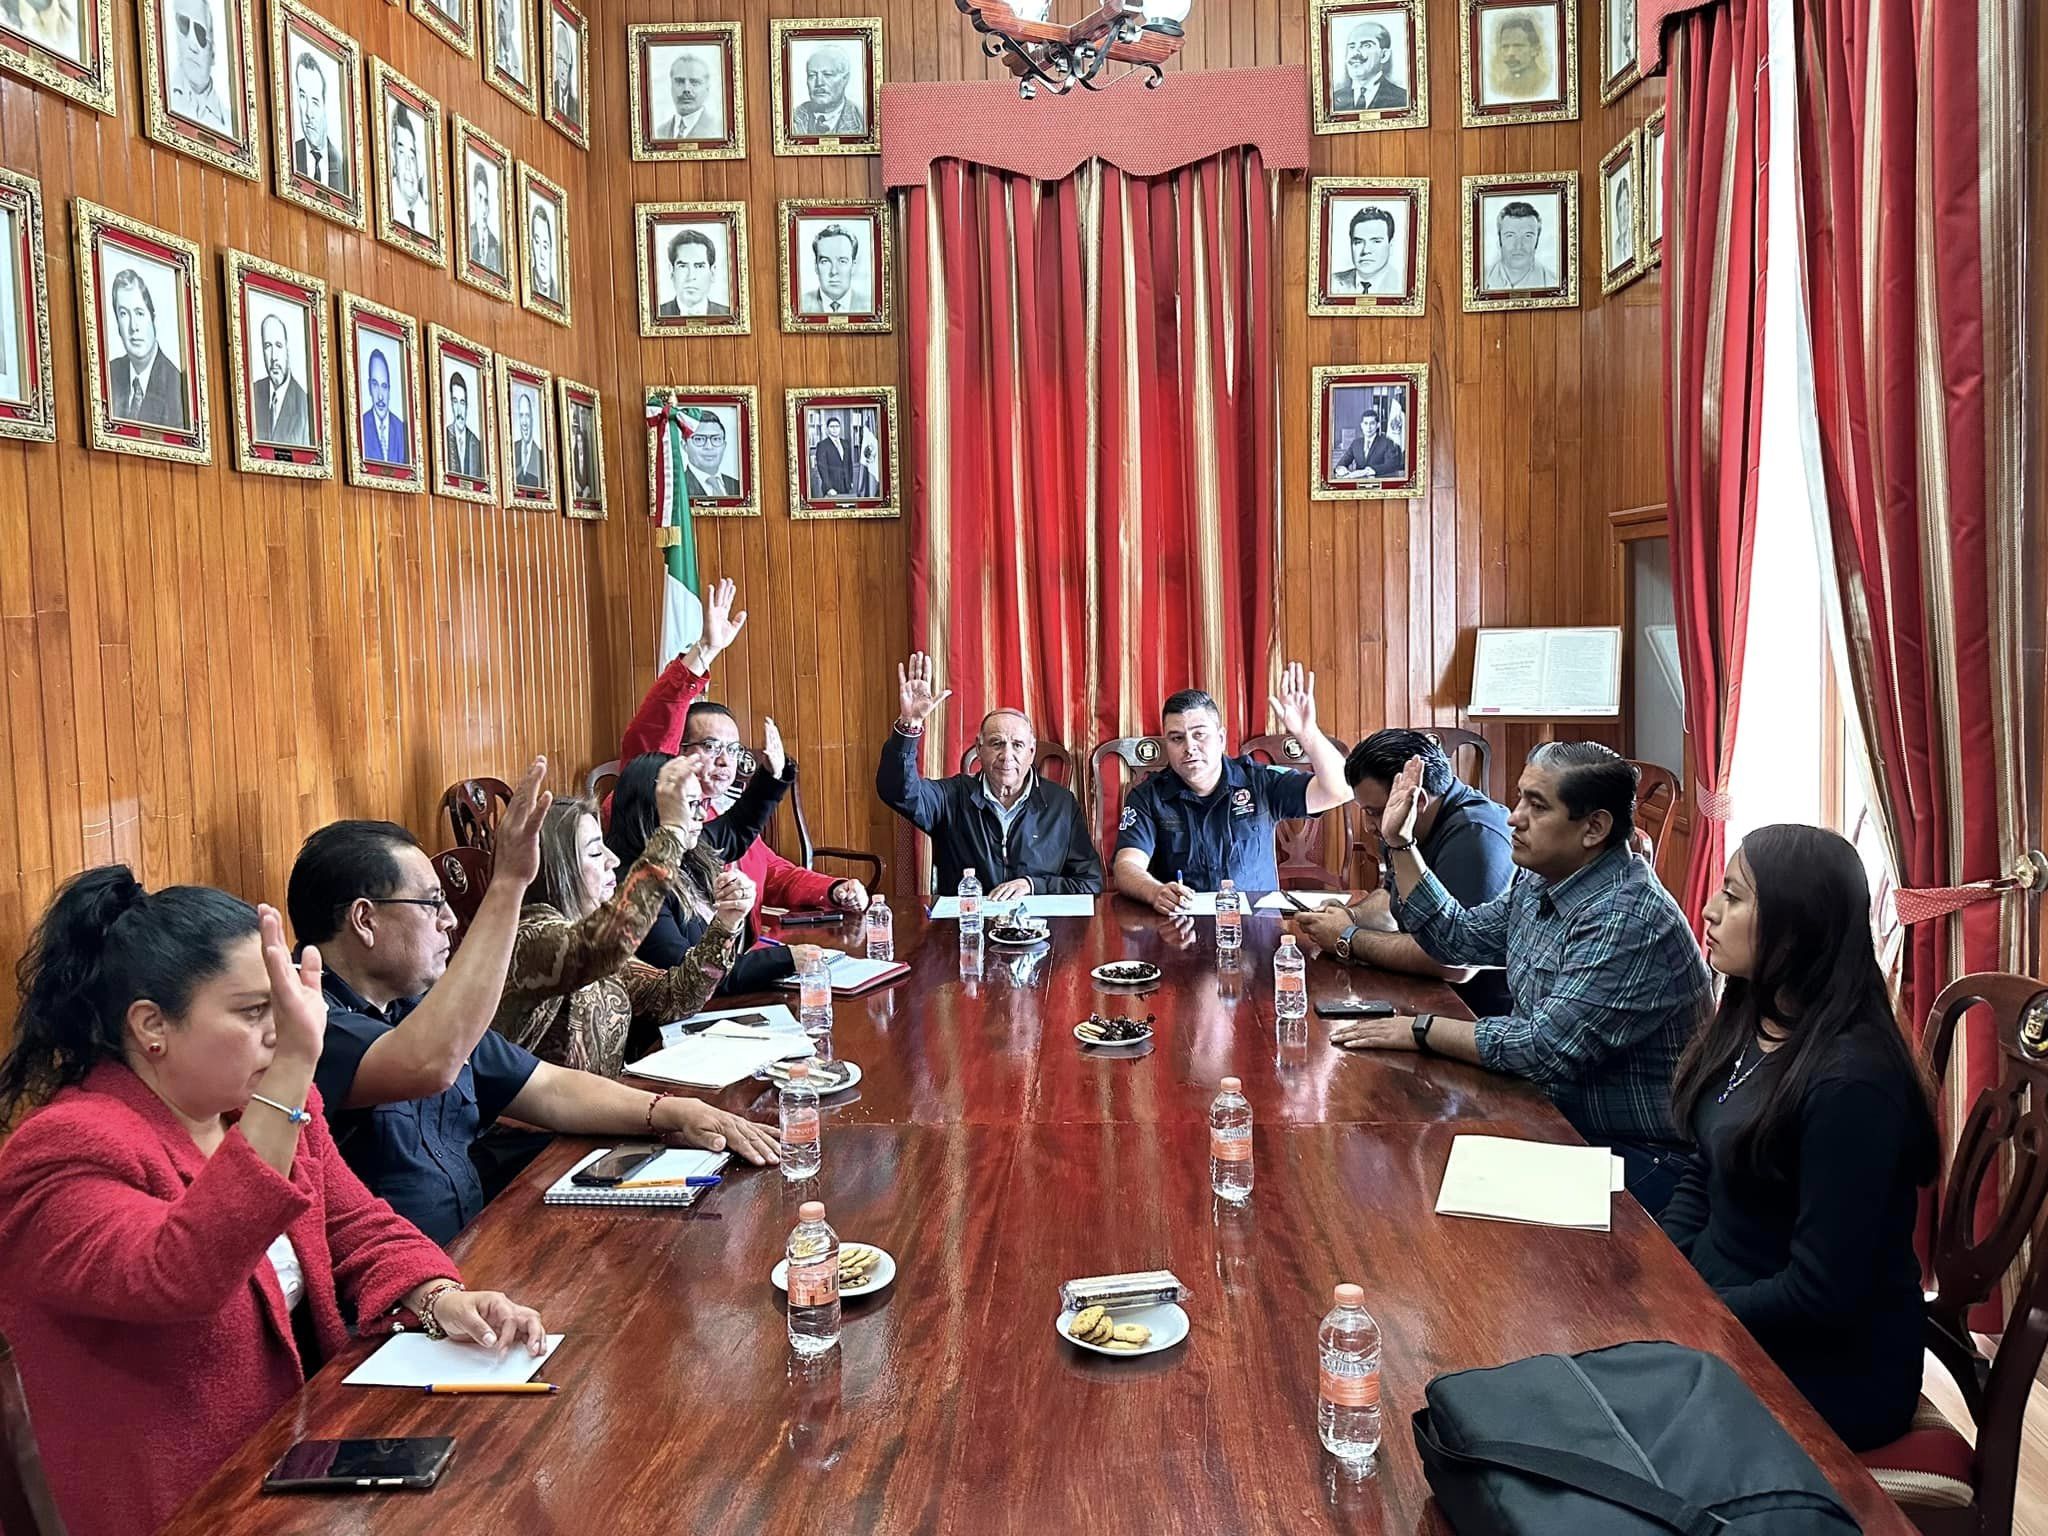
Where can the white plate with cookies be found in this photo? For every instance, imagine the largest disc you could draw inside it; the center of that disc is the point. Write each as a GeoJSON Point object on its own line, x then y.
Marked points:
{"type": "Point", "coordinates": [1133, 1331]}
{"type": "Point", "coordinates": [857, 1276]}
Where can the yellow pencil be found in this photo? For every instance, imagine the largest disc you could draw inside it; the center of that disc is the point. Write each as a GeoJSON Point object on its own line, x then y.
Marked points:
{"type": "Point", "coordinates": [694, 1181]}
{"type": "Point", "coordinates": [477, 1388]}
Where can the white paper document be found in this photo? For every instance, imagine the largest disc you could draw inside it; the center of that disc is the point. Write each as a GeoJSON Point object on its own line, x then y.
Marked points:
{"type": "Point", "coordinates": [414, 1360]}
{"type": "Point", "coordinates": [849, 973]}
{"type": "Point", "coordinates": [1198, 904]}
{"type": "Point", "coordinates": [1547, 672]}
{"type": "Point", "coordinates": [1276, 901]}
{"type": "Point", "coordinates": [1036, 906]}
{"type": "Point", "coordinates": [1499, 1178]}
{"type": "Point", "coordinates": [718, 1061]}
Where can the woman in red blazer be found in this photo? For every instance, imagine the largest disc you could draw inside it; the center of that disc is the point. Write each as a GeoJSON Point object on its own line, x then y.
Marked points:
{"type": "Point", "coordinates": [178, 1199]}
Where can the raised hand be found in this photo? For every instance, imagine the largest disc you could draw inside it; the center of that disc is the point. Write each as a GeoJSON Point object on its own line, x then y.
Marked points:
{"type": "Point", "coordinates": [721, 625]}
{"type": "Point", "coordinates": [516, 843]}
{"type": "Point", "coordinates": [674, 787]}
{"type": "Point", "coordinates": [772, 751]}
{"type": "Point", "coordinates": [297, 1007]}
{"type": "Point", "coordinates": [732, 896]}
{"type": "Point", "coordinates": [1404, 803]}
{"type": "Point", "coordinates": [1295, 704]}
{"type": "Point", "coordinates": [914, 689]}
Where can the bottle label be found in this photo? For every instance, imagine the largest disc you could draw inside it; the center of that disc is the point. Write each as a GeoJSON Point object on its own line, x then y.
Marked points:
{"type": "Point", "coordinates": [1351, 1391]}
{"type": "Point", "coordinates": [815, 1284]}
{"type": "Point", "coordinates": [1230, 1149]}
{"type": "Point", "coordinates": [814, 994]}
{"type": "Point", "coordinates": [1294, 983]}
{"type": "Point", "coordinates": [800, 1127]}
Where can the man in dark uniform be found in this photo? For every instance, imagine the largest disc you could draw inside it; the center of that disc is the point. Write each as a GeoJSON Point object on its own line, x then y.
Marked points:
{"type": "Point", "coordinates": [1210, 818]}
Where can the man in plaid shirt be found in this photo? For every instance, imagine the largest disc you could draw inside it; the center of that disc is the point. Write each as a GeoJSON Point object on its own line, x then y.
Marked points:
{"type": "Point", "coordinates": [1607, 981]}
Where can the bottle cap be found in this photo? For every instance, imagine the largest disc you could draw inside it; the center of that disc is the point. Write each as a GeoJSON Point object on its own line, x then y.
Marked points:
{"type": "Point", "coordinates": [1347, 1295]}
{"type": "Point", "coordinates": [1227, 885]}
{"type": "Point", "coordinates": [814, 1210]}
{"type": "Point", "coordinates": [1233, 1085]}
{"type": "Point", "coordinates": [967, 873]}
{"type": "Point", "coordinates": [799, 1070]}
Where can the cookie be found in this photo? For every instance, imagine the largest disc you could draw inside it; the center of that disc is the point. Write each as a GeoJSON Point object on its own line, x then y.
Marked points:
{"type": "Point", "coordinates": [1084, 1322]}
{"type": "Point", "coordinates": [1131, 1333]}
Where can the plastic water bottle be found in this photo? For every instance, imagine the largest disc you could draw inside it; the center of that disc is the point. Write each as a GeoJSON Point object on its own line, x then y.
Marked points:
{"type": "Point", "coordinates": [1348, 1406]}
{"type": "Point", "coordinates": [881, 929]}
{"type": "Point", "coordinates": [1290, 981]}
{"type": "Point", "coordinates": [814, 1282]}
{"type": "Point", "coordinates": [1229, 918]}
{"type": "Point", "coordinates": [814, 996]}
{"type": "Point", "coordinates": [802, 1144]}
{"type": "Point", "coordinates": [1230, 1144]}
{"type": "Point", "coordinates": [970, 905]}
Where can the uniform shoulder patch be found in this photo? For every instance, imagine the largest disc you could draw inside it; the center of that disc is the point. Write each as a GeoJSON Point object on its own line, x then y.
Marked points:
{"type": "Point", "coordinates": [1128, 820]}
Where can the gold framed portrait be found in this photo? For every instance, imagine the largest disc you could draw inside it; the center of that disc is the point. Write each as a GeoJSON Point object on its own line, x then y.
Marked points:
{"type": "Point", "coordinates": [278, 368]}
{"type": "Point", "coordinates": [465, 436]}
{"type": "Point", "coordinates": [482, 180]}
{"type": "Point", "coordinates": [316, 107]}
{"type": "Point", "coordinates": [28, 389]}
{"type": "Point", "coordinates": [690, 261]}
{"type": "Point", "coordinates": [380, 392]}
{"type": "Point", "coordinates": [1369, 65]}
{"type": "Point", "coordinates": [1653, 188]}
{"type": "Point", "coordinates": [406, 162]}
{"type": "Point", "coordinates": [526, 422]}
{"type": "Point", "coordinates": [1518, 61]}
{"type": "Point", "coordinates": [1521, 240]}
{"type": "Point", "coordinates": [1621, 64]}
{"type": "Point", "coordinates": [1368, 245]}
{"type": "Point", "coordinates": [1621, 225]}
{"type": "Point", "coordinates": [582, 425]}
{"type": "Point", "coordinates": [687, 90]}
{"type": "Point", "coordinates": [842, 452]}
{"type": "Point", "coordinates": [69, 48]}
{"type": "Point", "coordinates": [1371, 431]}
{"type": "Point", "coordinates": [543, 246]}
{"type": "Point", "coordinates": [825, 85]}
{"type": "Point", "coordinates": [141, 314]}
{"type": "Point", "coordinates": [199, 81]}
{"type": "Point", "coordinates": [834, 262]}
{"type": "Point", "coordinates": [720, 457]}
{"type": "Point", "coordinates": [509, 61]}
{"type": "Point", "coordinates": [565, 71]}
{"type": "Point", "coordinates": [453, 21]}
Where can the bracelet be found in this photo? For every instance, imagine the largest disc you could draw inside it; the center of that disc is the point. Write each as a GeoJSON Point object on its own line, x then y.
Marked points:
{"type": "Point", "coordinates": [1394, 847]}
{"type": "Point", "coordinates": [1420, 1029]}
{"type": "Point", "coordinates": [430, 1325]}
{"type": "Point", "coordinates": [903, 728]}
{"type": "Point", "coordinates": [655, 1103]}
{"type": "Point", "coordinates": [299, 1116]}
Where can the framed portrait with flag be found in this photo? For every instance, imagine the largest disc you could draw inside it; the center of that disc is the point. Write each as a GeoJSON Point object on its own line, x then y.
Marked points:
{"type": "Point", "coordinates": [683, 428]}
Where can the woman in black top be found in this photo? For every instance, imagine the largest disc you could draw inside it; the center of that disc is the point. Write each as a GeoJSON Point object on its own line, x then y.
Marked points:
{"type": "Point", "coordinates": [1814, 1135]}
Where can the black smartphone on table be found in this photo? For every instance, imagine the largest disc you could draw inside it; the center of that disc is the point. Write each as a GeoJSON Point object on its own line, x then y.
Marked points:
{"type": "Point", "coordinates": [615, 1167]}
{"type": "Point", "coordinates": [350, 1466]}
{"type": "Point", "coordinates": [1354, 1008]}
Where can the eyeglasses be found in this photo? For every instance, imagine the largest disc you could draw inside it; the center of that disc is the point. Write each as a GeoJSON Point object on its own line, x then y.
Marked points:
{"type": "Point", "coordinates": [434, 903]}
{"type": "Point", "coordinates": [718, 751]}
{"type": "Point", "coordinates": [196, 30]}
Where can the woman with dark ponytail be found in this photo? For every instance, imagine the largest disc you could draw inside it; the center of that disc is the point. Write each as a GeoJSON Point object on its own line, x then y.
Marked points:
{"type": "Point", "coordinates": [181, 1236]}
{"type": "Point", "coordinates": [1814, 1133]}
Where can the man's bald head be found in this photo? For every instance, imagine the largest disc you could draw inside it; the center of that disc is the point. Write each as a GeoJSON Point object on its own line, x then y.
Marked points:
{"type": "Point", "coordinates": [1006, 744]}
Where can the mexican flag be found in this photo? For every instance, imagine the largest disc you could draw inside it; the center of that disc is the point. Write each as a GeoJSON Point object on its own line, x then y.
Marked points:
{"type": "Point", "coordinates": [682, 610]}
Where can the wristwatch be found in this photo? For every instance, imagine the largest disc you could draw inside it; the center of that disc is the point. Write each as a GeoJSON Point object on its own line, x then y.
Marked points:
{"type": "Point", "coordinates": [1421, 1029]}
{"type": "Point", "coordinates": [1344, 944]}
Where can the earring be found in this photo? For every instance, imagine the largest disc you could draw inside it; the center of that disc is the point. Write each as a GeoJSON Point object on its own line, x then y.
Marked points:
{"type": "Point", "coordinates": [156, 1047]}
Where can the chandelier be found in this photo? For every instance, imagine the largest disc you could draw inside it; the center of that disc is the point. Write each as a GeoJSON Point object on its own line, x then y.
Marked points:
{"type": "Point", "coordinates": [1141, 33]}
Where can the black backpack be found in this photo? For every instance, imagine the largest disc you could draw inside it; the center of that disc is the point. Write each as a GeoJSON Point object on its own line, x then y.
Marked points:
{"type": "Point", "coordinates": [1636, 1440]}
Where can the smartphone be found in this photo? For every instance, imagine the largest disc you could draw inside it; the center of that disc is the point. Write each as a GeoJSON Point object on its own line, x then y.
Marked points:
{"type": "Point", "coordinates": [1353, 1008]}
{"type": "Point", "coordinates": [347, 1466]}
{"type": "Point", "coordinates": [616, 1166]}
{"type": "Point", "coordinates": [810, 919]}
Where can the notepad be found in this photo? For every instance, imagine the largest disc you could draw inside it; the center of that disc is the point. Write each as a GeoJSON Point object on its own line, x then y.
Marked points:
{"type": "Point", "coordinates": [675, 1163]}
{"type": "Point", "coordinates": [716, 1061]}
{"type": "Point", "coordinates": [1276, 901]}
{"type": "Point", "coordinates": [414, 1360]}
{"type": "Point", "coordinates": [756, 1023]}
{"type": "Point", "coordinates": [1498, 1178]}
{"type": "Point", "coordinates": [852, 973]}
{"type": "Point", "coordinates": [1036, 906]}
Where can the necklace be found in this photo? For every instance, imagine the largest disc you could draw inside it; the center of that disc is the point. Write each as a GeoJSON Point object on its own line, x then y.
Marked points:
{"type": "Point", "coordinates": [1739, 1074]}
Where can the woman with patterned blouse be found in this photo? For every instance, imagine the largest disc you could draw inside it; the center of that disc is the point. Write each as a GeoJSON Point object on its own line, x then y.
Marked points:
{"type": "Point", "coordinates": [574, 992]}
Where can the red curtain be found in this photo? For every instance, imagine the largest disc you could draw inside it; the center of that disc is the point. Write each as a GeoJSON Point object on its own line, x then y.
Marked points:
{"type": "Point", "coordinates": [1716, 187]}
{"type": "Point", "coordinates": [1094, 443]}
{"type": "Point", "coordinates": [1912, 163]}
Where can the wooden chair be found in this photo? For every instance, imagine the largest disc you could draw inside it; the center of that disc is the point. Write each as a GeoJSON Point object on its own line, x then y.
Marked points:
{"type": "Point", "coordinates": [809, 851]}
{"type": "Point", "coordinates": [1141, 757]}
{"type": "Point", "coordinates": [473, 807]}
{"type": "Point", "coordinates": [599, 781]}
{"type": "Point", "coordinates": [464, 872]}
{"type": "Point", "coordinates": [1945, 1487]}
{"type": "Point", "coordinates": [1302, 845]}
{"type": "Point", "coordinates": [1471, 756]}
{"type": "Point", "coordinates": [26, 1508]}
{"type": "Point", "coordinates": [1657, 801]}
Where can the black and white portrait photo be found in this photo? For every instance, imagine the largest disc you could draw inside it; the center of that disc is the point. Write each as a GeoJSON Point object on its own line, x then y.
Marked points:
{"type": "Point", "coordinates": [544, 237]}
{"type": "Point", "coordinates": [835, 261]}
{"type": "Point", "coordinates": [16, 365]}
{"type": "Point", "coordinates": [692, 260]}
{"type": "Point", "coordinates": [198, 64]}
{"type": "Point", "coordinates": [319, 153]}
{"type": "Point", "coordinates": [582, 456]}
{"type": "Point", "coordinates": [1374, 63]}
{"type": "Point", "coordinates": [198, 88]}
{"type": "Point", "coordinates": [842, 452]}
{"type": "Point", "coordinates": [482, 173]}
{"type": "Point", "coordinates": [55, 27]}
{"type": "Point", "coordinates": [508, 49]}
{"type": "Point", "coordinates": [280, 411]}
{"type": "Point", "coordinates": [406, 151]}
{"type": "Point", "coordinates": [66, 45]}
{"type": "Point", "coordinates": [139, 297]}
{"type": "Point", "coordinates": [1368, 245]}
{"type": "Point", "coordinates": [409, 181]}
{"type": "Point", "coordinates": [529, 461]}
{"type": "Point", "coordinates": [464, 420]}
{"type": "Point", "coordinates": [1371, 432]}
{"type": "Point", "coordinates": [582, 424]}
{"type": "Point", "coordinates": [1519, 61]}
{"type": "Point", "coordinates": [1621, 183]}
{"type": "Point", "coordinates": [316, 100]}
{"type": "Point", "coordinates": [567, 69]}
{"type": "Point", "coordinates": [27, 394]}
{"type": "Point", "coordinates": [278, 351]}
{"type": "Point", "coordinates": [525, 404]}
{"type": "Point", "coordinates": [686, 90]}
{"type": "Point", "coordinates": [826, 79]}
{"type": "Point", "coordinates": [1621, 61]}
{"type": "Point", "coordinates": [1521, 241]}
{"type": "Point", "coordinates": [454, 21]}
{"type": "Point", "coordinates": [380, 383]}
{"type": "Point", "coordinates": [462, 445]}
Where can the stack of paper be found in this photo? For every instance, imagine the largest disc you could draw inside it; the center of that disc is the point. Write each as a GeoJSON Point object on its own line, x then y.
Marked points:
{"type": "Point", "coordinates": [1276, 901]}
{"type": "Point", "coordinates": [414, 1360]}
{"type": "Point", "coordinates": [718, 1061]}
{"type": "Point", "coordinates": [852, 973]}
{"type": "Point", "coordinates": [1501, 1179]}
{"type": "Point", "coordinates": [1036, 906]}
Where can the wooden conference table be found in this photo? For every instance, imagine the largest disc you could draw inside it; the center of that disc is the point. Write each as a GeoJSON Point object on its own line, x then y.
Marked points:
{"type": "Point", "coordinates": [994, 1158]}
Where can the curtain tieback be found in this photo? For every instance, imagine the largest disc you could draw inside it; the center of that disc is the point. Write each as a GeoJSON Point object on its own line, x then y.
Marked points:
{"type": "Point", "coordinates": [2029, 874]}
{"type": "Point", "coordinates": [1712, 803]}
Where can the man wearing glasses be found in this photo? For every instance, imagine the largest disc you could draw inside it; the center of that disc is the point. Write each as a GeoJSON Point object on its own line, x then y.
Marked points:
{"type": "Point", "coordinates": [411, 1071]}
{"type": "Point", "coordinates": [1018, 832]}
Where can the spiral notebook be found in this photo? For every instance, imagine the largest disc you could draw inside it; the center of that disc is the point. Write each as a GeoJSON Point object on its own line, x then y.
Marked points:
{"type": "Point", "coordinates": [675, 1163]}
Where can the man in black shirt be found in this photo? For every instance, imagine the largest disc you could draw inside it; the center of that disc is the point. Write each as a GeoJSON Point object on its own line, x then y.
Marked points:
{"type": "Point", "coordinates": [412, 1076]}
{"type": "Point", "coordinates": [1464, 837]}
